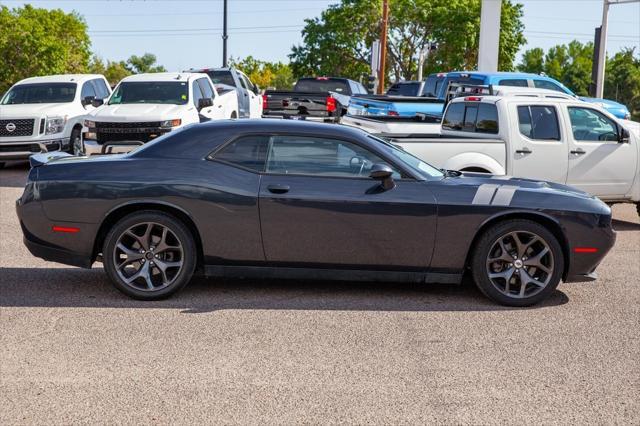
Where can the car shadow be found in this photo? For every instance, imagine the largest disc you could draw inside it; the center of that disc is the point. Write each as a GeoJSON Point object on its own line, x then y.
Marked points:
{"type": "Point", "coordinates": [73, 287]}
{"type": "Point", "coordinates": [14, 174]}
{"type": "Point", "coordinates": [623, 225]}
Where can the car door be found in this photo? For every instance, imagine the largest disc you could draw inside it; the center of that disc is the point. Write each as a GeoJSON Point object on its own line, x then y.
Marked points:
{"type": "Point", "coordinates": [216, 111]}
{"type": "Point", "coordinates": [87, 91]}
{"type": "Point", "coordinates": [255, 100]}
{"type": "Point", "coordinates": [318, 207]}
{"type": "Point", "coordinates": [204, 114]}
{"type": "Point", "coordinates": [538, 148]}
{"type": "Point", "coordinates": [244, 104]}
{"type": "Point", "coordinates": [598, 163]}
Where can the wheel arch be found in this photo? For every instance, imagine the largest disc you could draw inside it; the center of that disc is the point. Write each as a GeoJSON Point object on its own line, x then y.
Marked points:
{"type": "Point", "coordinates": [117, 213]}
{"type": "Point", "coordinates": [545, 220]}
{"type": "Point", "coordinates": [475, 160]}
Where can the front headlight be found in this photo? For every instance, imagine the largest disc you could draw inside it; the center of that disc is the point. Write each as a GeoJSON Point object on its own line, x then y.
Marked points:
{"type": "Point", "coordinates": [55, 125]}
{"type": "Point", "coordinates": [89, 123]}
{"type": "Point", "coordinates": [171, 123]}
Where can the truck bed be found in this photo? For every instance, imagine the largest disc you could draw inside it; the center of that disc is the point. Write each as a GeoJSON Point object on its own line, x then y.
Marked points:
{"type": "Point", "coordinates": [293, 104]}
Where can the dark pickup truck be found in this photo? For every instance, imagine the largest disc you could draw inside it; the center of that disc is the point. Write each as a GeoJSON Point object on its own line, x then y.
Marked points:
{"type": "Point", "coordinates": [314, 98]}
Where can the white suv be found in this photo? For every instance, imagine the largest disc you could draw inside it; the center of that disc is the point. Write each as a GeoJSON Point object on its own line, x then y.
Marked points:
{"type": "Point", "coordinates": [43, 114]}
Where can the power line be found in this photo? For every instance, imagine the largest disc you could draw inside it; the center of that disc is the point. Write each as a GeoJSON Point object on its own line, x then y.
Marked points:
{"type": "Point", "coordinates": [164, 30]}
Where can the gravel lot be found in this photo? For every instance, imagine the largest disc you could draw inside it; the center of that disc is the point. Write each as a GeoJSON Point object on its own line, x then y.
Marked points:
{"type": "Point", "coordinates": [74, 350]}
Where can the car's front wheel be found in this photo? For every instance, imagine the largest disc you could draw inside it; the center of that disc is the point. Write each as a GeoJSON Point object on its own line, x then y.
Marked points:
{"type": "Point", "coordinates": [517, 263]}
{"type": "Point", "coordinates": [149, 255]}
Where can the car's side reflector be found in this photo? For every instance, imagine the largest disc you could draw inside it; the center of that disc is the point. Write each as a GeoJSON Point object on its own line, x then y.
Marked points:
{"type": "Point", "coordinates": [585, 250]}
{"type": "Point", "coordinates": [68, 229]}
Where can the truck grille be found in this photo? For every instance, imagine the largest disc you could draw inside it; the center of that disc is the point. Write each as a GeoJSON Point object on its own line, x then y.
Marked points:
{"type": "Point", "coordinates": [129, 125]}
{"type": "Point", "coordinates": [34, 147]}
{"type": "Point", "coordinates": [142, 136]}
{"type": "Point", "coordinates": [20, 127]}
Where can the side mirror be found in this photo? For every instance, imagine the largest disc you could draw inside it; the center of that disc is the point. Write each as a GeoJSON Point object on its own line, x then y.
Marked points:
{"type": "Point", "coordinates": [97, 102]}
{"type": "Point", "coordinates": [87, 100]}
{"type": "Point", "coordinates": [383, 173]}
{"type": "Point", "coordinates": [624, 136]}
{"type": "Point", "coordinates": [204, 103]}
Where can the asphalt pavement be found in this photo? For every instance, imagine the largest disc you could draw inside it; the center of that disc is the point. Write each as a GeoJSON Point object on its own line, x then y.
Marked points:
{"type": "Point", "coordinates": [73, 350]}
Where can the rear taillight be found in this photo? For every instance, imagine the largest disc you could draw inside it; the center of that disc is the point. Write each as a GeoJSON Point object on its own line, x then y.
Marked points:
{"type": "Point", "coordinates": [331, 104]}
{"type": "Point", "coordinates": [265, 102]}
{"type": "Point", "coordinates": [394, 113]}
{"type": "Point", "coordinates": [473, 98]}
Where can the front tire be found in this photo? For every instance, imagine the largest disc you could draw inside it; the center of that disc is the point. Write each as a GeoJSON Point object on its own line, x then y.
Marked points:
{"type": "Point", "coordinates": [517, 263]}
{"type": "Point", "coordinates": [75, 142]}
{"type": "Point", "coordinates": [149, 255]}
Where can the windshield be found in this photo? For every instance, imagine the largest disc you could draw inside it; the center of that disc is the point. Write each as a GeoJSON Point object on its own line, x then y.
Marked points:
{"type": "Point", "coordinates": [151, 92]}
{"type": "Point", "coordinates": [40, 93]}
{"type": "Point", "coordinates": [423, 169]}
{"type": "Point", "coordinates": [221, 77]}
{"type": "Point", "coordinates": [322, 85]}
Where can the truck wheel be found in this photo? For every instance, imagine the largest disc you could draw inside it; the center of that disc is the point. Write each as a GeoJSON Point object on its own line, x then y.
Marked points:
{"type": "Point", "coordinates": [638, 208]}
{"type": "Point", "coordinates": [75, 142]}
{"type": "Point", "coordinates": [149, 255]}
{"type": "Point", "coordinates": [234, 115]}
{"type": "Point", "coordinates": [517, 263]}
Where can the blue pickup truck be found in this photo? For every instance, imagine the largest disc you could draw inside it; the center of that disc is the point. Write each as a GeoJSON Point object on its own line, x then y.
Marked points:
{"type": "Point", "coordinates": [431, 101]}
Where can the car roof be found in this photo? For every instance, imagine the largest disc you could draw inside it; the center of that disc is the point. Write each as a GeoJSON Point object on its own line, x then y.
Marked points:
{"type": "Point", "coordinates": [60, 78]}
{"type": "Point", "coordinates": [276, 125]}
{"type": "Point", "coordinates": [164, 76]}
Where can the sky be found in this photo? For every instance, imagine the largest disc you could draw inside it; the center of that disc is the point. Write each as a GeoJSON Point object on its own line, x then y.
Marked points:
{"type": "Point", "coordinates": [187, 33]}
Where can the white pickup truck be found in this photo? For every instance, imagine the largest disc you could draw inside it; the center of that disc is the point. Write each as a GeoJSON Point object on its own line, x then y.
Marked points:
{"type": "Point", "coordinates": [43, 114]}
{"type": "Point", "coordinates": [539, 135]}
{"type": "Point", "coordinates": [145, 106]}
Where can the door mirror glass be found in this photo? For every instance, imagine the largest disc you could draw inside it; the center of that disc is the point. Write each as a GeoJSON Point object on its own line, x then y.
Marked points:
{"type": "Point", "coordinates": [87, 100]}
{"type": "Point", "coordinates": [624, 135]}
{"type": "Point", "coordinates": [97, 102]}
{"type": "Point", "coordinates": [204, 103]}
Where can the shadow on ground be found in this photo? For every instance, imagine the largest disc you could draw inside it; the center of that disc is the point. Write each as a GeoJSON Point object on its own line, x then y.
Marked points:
{"type": "Point", "coordinates": [14, 174]}
{"type": "Point", "coordinates": [623, 225]}
{"type": "Point", "coordinates": [71, 287]}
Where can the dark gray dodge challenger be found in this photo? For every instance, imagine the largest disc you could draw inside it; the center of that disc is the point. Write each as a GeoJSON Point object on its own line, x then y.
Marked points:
{"type": "Point", "coordinates": [288, 199]}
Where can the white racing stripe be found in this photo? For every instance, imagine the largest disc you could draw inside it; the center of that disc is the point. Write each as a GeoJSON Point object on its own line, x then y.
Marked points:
{"type": "Point", "coordinates": [495, 195]}
{"type": "Point", "coordinates": [504, 195]}
{"type": "Point", "coordinates": [484, 194]}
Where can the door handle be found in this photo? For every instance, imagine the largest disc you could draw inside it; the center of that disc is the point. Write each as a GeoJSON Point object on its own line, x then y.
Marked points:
{"type": "Point", "coordinates": [278, 189]}
{"type": "Point", "coordinates": [578, 151]}
{"type": "Point", "coordinates": [524, 150]}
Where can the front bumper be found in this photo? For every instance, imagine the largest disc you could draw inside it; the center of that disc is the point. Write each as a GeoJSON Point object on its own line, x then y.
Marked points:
{"type": "Point", "coordinates": [22, 150]}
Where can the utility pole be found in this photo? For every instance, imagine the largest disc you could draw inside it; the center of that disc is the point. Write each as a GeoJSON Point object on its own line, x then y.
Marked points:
{"type": "Point", "coordinates": [383, 46]}
{"type": "Point", "coordinates": [224, 35]}
{"type": "Point", "coordinates": [602, 51]}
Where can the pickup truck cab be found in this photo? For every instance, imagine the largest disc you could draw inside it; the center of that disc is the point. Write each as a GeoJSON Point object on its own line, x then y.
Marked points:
{"type": "Point", "coordinates": [44, 114]}
{"type": "Point", "coordinates": [145, 106]}
{"type": "Point", "coordinates": [518, 79]}
{"type": "Point", "coordinates": [225, 79]}
{"type": "Point", "coordinates": [537, 134]}
{"type": "Point", "coordinates": [312, 98]}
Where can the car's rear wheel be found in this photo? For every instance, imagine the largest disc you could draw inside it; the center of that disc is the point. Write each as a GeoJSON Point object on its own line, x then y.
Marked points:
{"type": "Point", "coordinates": [517, 263]}
{"type": "Point", "coordinates": [149, 255]}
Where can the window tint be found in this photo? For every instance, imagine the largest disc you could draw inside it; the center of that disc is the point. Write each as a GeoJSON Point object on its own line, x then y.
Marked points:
{"type": "Point", "coordinates": [221, 77]}
{"type": "Point", "coordinates": [197, 94]}
{"type": "Point", "coordinates": [205, 87]}
{"type": "Point", "coordinates": [432, 86]}
{"type": "Point", "coordinates": [322, 85]}
{"type": "Point", "coordinates": [538, 122]}
{"type": "Point", "coordinates": [150, 92]}
{"type": "Point", "coordinates": [101, 88]}
{"type": "Point", "coordinates": [471, 117]}
{"type": "Point", "coordinates": [543, 84]}
{"type": "Point", "coordinates": [404, 89]}
{"type": "Point", "coordinates": [513, 82]}
{"type": "Point", "coordinates": [87, 90]}
{"type": "Point", "coordinates": [247, 151]}
{"type": "Point", "coordinates": [320, 157]}
{"type": "Point", "coordinates": [590, 125]}
{"type": "Point", "coordinates": [40, 93]}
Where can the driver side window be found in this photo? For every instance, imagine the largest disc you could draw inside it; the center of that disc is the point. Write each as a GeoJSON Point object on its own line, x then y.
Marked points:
{"type": "Point", "coordinates": [315, 156]}
{"type": "Point", "coordinates": [590, 125]}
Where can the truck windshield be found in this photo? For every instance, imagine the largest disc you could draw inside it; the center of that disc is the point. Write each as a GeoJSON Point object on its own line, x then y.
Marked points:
{"type": "Point", "coordinates": [40, 93]}
{"type": "Point", "coordinates": [322, 85]}
{"type": "Point", "coordinates": [414, 163]}
{"type": "Point", "coordinates": [221, 77]}
{"type": "Point", "coordinates": [151, 92]}
{"type": "Point", "coordinates": [404, 89]}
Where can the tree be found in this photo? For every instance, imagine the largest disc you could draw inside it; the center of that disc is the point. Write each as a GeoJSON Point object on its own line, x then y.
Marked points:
{"type": "Point", "coordinates": [532, 61]}
{"type": "Point", "coordinates": [339, 41]}
{"type": "Point", "coordinates": [36, 41]}
{"type": "Point", "coordinates": [622, 80]}
{"type": "Point", "coordinates": [143, 64]}
{"type": "Point", "coordinates": [265, 74]}
{"type": "Point", "coordinates": [114, 71]}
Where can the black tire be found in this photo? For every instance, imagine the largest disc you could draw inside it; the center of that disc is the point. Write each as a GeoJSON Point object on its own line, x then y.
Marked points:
{"type": "Point", "coordinates": [179, 233]}
{"type": "Point", "coordinates": [75, 142]}
{"type": "Point", "coordinates": [234, 115]}
{"type": "Point", "coordinates": [480, 264]}
{"type": "Point", "coordinates": [638, 208]}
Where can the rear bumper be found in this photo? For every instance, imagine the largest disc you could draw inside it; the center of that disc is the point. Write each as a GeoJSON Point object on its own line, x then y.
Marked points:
{"type": "Point", "coordinates": [58, 255]}
{"type": "Point", "coordinates": [22, 150]}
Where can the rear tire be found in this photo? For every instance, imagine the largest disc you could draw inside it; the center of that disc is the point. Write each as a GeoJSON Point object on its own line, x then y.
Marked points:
{"type": "Point", "coordinates": [517, 263]}
{"type": "Point", "coordinates": [149, 255]}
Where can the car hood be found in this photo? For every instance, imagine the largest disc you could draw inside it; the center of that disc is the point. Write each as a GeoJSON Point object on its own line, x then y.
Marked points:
{"type": "Point", "coordinates": [31, 110]}
{"type": "Point", "coordinates": [138, 112]}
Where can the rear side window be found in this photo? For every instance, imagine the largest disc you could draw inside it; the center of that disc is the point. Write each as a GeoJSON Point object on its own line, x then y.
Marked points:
{"type": "Point", "coordinates": [221, 77]}
{"type": "Point", "coordinates": [543, 84]}
{"type": "Point", "coordinates": [538, 122]}
{"type": "Point", "coordinates": [248, 151]}
{"type": "Point", "coordinates": [513, 82]}
{"type": "Point", "coordinates": [322, 85]}
{"type": "Point", "coordinates": [205, 86]}
{"type": "Point", "coordinates": [471, 117]}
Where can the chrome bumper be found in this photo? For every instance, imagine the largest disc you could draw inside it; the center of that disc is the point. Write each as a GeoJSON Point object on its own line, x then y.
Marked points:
{"type": "Point", "coordinates": [22, 150]}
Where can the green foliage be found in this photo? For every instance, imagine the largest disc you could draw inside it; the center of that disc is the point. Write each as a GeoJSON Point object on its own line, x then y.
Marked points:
{"type": "Point", "coordinates": [622, 80]}
{"type": "Point", "coordinates": [338, 42]}
{"type": "Point", "coordinates": [114, 71]}
{"type": "Point", "coordinates": [265, 74]}
{"type": "Point", "coordinates": [143, 64]}
{"type": "Point", "coordinates": [532, 61]}
{"type": "Point", "coordinates": [36, 41]}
